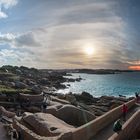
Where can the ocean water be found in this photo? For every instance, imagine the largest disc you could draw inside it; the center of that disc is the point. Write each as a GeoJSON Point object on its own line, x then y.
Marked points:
{"type": "Point", "coordinates": [112, 84]}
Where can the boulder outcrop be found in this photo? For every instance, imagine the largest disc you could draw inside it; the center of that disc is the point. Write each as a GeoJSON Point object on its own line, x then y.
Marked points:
{"type": "Point", "coordinates": [20, 85]}
{"type": "Point", "coordinates": [46, 124]}
{"type": "Point", "coordinates": [74, 116]}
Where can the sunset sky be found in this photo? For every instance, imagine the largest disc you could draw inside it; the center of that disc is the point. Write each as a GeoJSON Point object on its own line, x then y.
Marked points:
{"type": "Point", "coordinates": [70, 33]}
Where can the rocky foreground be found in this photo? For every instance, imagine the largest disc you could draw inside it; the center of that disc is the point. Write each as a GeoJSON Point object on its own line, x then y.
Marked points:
{"type": "Point", "coordinates": [54, 117]}
{"type": "Point", "coordinates": [28, 101]}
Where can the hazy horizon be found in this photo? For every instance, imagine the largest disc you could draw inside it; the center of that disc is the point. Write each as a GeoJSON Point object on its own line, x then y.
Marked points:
{"type": "Point", "coordinates": [69, 68]}
{"type": "Point", "coordinates": [74, 34]}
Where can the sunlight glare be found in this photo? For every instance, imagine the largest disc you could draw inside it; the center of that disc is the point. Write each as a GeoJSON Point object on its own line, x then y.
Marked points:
{"type": "Point", "coordinates": [89, 49]}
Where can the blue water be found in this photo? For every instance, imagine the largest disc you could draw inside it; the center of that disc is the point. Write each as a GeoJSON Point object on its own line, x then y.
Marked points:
{"type": "Point", "coordinates": [125, 84]}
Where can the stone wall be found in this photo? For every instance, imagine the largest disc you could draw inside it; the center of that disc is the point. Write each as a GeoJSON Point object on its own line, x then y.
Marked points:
{"type": "Point", "coordinates": [27, 134]}
{"type": "Point", "coordinates": [129, 128]}
{"type": "Point", "coordinates": [90, 129]}
{"type": "Point", "coordinates": [31, 98]}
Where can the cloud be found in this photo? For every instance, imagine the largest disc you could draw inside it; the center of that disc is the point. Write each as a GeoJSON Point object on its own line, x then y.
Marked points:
{"type": "Point", "coordinates": [137, 62]}
{"type": "Point", "coordinates": [3, 15]}
{"type": "Point", "coordinates": [89, 12]}
{"type": "Point", "coordinates": [6, 38]}
{"type": "Point", "coordinates": [6, 4]}
{"type": "Point", "coordinates": [19, 49]}
{"type": "Point", "coordinates": [26, 40]}
{"type": "Point", "coordinates": [58, 46]}
{"type": "Point", "coordinates": [66, 28]}
{"type": "Point", "coordinates": [17, 57]}
{"type": "Point", "coordinates": [20, 40]}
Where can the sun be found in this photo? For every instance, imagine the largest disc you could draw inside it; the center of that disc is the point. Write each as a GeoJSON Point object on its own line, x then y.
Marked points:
{"type": "Point", "coordinates": [89, 49]}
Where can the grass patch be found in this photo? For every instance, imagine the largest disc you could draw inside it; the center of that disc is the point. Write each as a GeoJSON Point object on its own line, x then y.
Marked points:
{"type": "Point", "coordinates": [14, 78]}
{"type": "Point", "coordinates": [7, 74]}
{"type": "Point", "coordinates": [9, 90]}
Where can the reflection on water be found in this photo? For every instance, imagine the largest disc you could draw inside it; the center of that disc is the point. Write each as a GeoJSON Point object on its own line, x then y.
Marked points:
{"type": "Point", "coordinates": [125, 84]}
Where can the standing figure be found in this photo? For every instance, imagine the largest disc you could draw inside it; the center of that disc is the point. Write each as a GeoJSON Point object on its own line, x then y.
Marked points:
{"type": "Point", "coordinates": [137, 97]}
{"type": "Point", "coordinates": [124, 111]}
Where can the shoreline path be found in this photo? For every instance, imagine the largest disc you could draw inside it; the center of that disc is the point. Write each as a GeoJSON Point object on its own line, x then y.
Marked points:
{"type": "Point", "coordinates": [107, 132]}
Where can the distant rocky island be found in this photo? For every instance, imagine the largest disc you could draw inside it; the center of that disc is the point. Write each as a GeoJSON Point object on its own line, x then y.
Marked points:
{"type": "Point", "coordinates": [97, 71]}
{"type": "Point", "coordinates": [93, 71]}
{"type": "Point", "coordinates": [102, 71]}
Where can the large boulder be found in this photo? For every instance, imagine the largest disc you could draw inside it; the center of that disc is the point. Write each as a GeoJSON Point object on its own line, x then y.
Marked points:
{"type": "Point", "coordinates": [45, 124]}
{"type": "Point", "coordinates": [36, 89]}
{"type": "Point", "coordinates": [74, 116]}
{"type": "Point", "coordinates": [33, 109]}
{"type": "Point", "coordinates": [53, 103]}
{"type": "Point", "coordinates": [51, 110]}
{"type": "Point", "coordinates": [107, 97]}
{"type": "Point", "coordinates": [45, 81]}
{"type": "Point", "coordinates": [30, 82]}
{"type": "Point", "coordinates": [20, 85]}
{"type": "Point", "coordinates": [71, 98]}
{"type": "Point", "coordinates": [86, 97]}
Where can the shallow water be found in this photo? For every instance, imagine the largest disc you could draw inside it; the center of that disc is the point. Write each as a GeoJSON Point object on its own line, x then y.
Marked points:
{"type": "Point", "coordinates": [112, 84]}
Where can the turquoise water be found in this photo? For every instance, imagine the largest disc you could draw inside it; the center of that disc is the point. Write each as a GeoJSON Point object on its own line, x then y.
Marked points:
{"type": "Point", "coordinates": [125, 84]}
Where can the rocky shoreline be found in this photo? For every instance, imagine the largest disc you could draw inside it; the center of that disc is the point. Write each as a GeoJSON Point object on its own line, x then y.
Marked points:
{"type": "Point", "coordinates": [28, 94]}
{"type": "Point", "coordinates": [97, 105]}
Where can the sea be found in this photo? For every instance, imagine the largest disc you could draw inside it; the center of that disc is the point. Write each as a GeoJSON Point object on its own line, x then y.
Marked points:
{"type": "Point", "coordinates": [125, 84]}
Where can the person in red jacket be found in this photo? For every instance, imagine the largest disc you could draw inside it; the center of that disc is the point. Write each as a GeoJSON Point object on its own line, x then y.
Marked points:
{"type": "Point", "coordinates": [124, 111]}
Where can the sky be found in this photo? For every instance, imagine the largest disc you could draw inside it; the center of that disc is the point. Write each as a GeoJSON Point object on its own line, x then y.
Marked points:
{"type": "Point", "coordinates": [58, 34]}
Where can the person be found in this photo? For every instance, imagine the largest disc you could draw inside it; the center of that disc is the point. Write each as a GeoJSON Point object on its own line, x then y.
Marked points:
{"type": "Point", "coordinates": [124, 111]}
{"type": "Point", "coordinates": [28, 102]}
{"type": "Point", "coordinates": [137, 96]}
{"type": "Point", "coordinates": [117, 126]}
{"type": "Point", "coordinates": [43, 106]}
